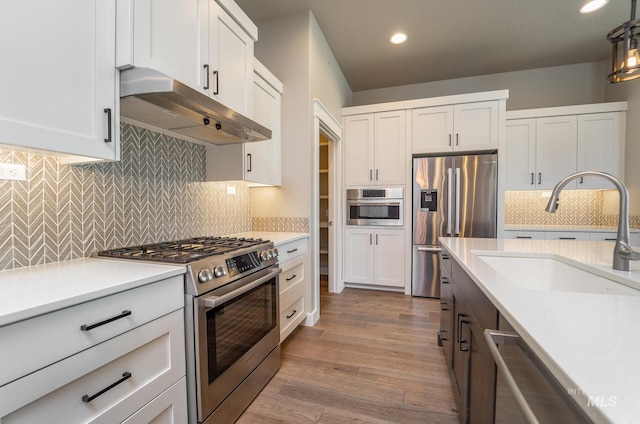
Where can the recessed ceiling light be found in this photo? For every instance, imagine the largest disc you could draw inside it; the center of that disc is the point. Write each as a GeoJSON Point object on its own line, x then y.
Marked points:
{"type": "Point", "coordinates": [593, 5]}
{"type": "Point", "coordinates": [398, 38]}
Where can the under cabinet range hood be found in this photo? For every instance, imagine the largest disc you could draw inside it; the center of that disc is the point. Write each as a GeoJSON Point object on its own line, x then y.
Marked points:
{"type": "Point", "coordinates": [156, 99]}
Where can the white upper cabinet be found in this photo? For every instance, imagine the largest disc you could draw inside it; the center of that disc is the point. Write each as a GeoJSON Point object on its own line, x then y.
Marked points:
{"type": "Point", "coordinates": [601, 146]}
{"type": "Point", "coordinates": [230, 59]}
{"type": "Point", "coordinates": [520, 154]}
{"type": "Point", "coordinates": [174, 52]}
{"type": "Point", "coordinates": [460, 127]}
{"type": "Point", "coordinates": [375, 149]}
{"type": "Point", "coordinates": [258, 163]}
{"type": "Point", "coordinates": [59, 82]}
{"type": "Point", "coordinates": [206, 44]}
{"type": "Point", "coordinates": [556, 150]}
{"type": "Point", "coordinates": [542, 148]}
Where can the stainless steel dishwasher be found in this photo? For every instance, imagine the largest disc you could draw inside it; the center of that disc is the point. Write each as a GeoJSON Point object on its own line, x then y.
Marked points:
{"type": "Point", "coordinates": [526, 391]}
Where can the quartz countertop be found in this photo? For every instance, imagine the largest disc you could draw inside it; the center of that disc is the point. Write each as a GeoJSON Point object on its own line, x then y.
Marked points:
{"type": "Point", "coordinates": [36, 290]}
{"type": "Point", "coordinates": [277, 238]}
{"type": "Point", "coordinates": [590, 342]}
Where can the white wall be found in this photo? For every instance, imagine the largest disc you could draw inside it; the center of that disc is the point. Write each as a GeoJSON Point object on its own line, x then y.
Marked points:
{"type": "Point", "coordinates": [544, 87]}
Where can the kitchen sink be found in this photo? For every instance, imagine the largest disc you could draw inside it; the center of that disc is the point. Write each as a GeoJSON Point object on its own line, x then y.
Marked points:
{"type": "Point", "coordinates": [548, 274]}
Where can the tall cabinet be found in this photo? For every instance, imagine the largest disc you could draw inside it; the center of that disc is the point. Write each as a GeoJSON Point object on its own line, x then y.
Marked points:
{"type": "Point", "coordinates": [379, 143]}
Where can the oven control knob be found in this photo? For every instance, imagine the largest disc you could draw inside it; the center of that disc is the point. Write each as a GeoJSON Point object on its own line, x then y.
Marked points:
{"type": "Point", "coordinates": [205, 276]}
{"type": "Point", "coordinates": [265, 255]}
{"type": "Point", "coordinates": [219, 271]}
{"type": "Point", "coordinates": [274, 252]}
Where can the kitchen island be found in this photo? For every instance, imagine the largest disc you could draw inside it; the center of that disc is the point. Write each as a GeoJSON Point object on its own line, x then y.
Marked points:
{"type": "Point", "coordinates": [586, 336]}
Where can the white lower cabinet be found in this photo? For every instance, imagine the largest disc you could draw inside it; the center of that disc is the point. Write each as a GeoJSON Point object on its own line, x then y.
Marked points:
{"type": "Point", "coordinates": [293, 285]}
{"type": "Point", "coordinates": [168, 408]}
{"type": "Point", "coordinates": [375, 256]}
{"type": "Point", "coordinates": [125, 365]}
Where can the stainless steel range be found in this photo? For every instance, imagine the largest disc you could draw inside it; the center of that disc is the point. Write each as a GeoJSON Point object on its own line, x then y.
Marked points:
{"type": "Point", "coordinates": [231, 319]}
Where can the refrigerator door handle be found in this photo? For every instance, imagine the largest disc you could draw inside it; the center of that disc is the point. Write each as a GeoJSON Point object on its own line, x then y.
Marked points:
{"type": "Point", "coordinates": [449, 199]}
{"type": "Point", "coordinates": [457, 228]}
{"type": "Point", "coordinates": [429, 249]}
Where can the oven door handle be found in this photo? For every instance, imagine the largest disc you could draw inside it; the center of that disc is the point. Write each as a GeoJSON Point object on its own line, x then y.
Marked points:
{"type": "Point", "coordinates": [210, 302]}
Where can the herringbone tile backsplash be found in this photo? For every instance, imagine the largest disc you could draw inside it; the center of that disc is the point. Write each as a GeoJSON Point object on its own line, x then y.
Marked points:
{"type": "Point", "coordinates": [155, 193]}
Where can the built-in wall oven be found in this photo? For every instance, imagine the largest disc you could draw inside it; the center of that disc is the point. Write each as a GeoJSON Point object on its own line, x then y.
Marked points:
{"type": "Point", "coordinates": [375, 206]}
{"type": "Point", "coordinates": [231, 319]}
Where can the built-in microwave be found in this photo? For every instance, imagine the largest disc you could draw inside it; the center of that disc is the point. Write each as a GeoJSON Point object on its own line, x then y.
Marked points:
{"type": "Point", "coordinates": [375, 206]}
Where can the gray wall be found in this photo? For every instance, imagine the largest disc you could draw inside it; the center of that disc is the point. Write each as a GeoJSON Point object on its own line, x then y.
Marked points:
{"type": "Point", "coordinates": [545, 87]}
{"type": "Point", "coordinates": [295, 50]}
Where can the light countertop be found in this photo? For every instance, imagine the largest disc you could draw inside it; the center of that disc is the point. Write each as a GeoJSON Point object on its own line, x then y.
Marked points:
{"type": "Point", "coordinates": [31, 291]}
{"type": "Point", "coordinates": [278, 238]}
{"type": "Point", "coordinates": [590, 342]}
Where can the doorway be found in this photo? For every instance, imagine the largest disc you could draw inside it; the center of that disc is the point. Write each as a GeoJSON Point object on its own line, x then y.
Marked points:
{"type": "Point", "coordinates": [326, 204]}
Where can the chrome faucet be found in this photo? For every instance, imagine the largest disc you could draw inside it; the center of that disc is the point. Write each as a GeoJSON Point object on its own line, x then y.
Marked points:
{"type": "Point", "coordinates": [622, 253]}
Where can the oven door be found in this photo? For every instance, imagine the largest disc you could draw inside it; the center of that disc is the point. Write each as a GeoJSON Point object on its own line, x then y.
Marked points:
{"type": "Point", "coordinates": [237, 327]}
{"type": "Point", "coordinates": [387, 212]}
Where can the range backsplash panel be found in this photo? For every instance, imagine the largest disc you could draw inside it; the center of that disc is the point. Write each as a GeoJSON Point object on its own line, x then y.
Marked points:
{"type": "Point", "coordinates": [154, 193]}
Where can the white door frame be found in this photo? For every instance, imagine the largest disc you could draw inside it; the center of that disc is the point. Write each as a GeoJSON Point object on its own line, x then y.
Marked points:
{"type": "Point", "coordinates": [324, 123]}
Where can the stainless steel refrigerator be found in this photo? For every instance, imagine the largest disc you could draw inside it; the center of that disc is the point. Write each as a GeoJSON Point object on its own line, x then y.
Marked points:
{"type": "Point", "coordinates": [453, 196]}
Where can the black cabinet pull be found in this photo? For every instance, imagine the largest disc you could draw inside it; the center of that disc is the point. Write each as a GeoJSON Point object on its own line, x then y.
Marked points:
{"type": "Point", "coordinates": [291, 278]}
{"type": "Point", "coordinates": [248, 162]}
{"type": "Point", "coordinates": [108, 112]}
{"type": "Point", "coordinates": [444, 256]}
{"type": "Point", "coordinates": [217, 90]}
{"type": "Point", "coordinates": [86, 327]}
{"type": "Point", "coordinates": [206, 72]}
{"type": "Point", "coordinates": [444, 280]}
{"type": "Point", "coordinates": [539, 177]}
{"type": "Point", "coordinates": [532, 181]}
{"type": "Point", "coordinates": [292, 314]}
{"type": "Point", "coordinates": [443, 306]}
{"type": "Point", "coordinates": [291, 251]}
{"type": "Point", "coordinates": [460, 340]}
{"type": "Point", "coordinates": [457, 137]}
{"type": "Point", "coordinates": [523, 237]}
{"type": "Point", "coordinates": [125, 376]}
{"type": "Point", "coordinates": [566, 238]}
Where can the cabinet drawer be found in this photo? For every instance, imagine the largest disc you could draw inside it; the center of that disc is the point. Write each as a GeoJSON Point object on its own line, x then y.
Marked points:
{"type": "Point", "coordinates": [290, 317]}
{"type": "Point", "coordinates": [292, 293]}
{"type": "Point", "coordinates": [43, 340]}
{"type": "Point", "coordinates": [292, 249]}
{"type": "Point", "coordinates": [534, 235]}
{"type": "Point", "coordinates": [168, 408]}
{"type": "Point", "coordinates": [73, 390]}
{"type": "Point", "coordinates": [292, 273]}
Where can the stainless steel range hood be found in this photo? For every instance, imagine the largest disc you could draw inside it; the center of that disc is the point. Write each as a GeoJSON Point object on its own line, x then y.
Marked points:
{"type": "Point", "coordinates": [156, 99]}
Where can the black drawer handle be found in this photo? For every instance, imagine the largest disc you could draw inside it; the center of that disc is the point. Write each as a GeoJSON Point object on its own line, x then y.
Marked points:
{"type": "Point", "coordinates": [523, 237]}
{"type": "Point", "coordinates": [291, 251]}
{"type": "Point", "coordinates": [87, 398]}
{"type": "Point", "coordinates": [567, 238]}
{"type": "Point", "coordinates": [444, 280]}
{"type": "Point", "coordinates": [292, 314]}
{"type": "Point", "coordinates": [291, 278]}
{"type": "Point", "coordinates": [86, 327]}
{"type": "Point", "coordinates": [443, 306]}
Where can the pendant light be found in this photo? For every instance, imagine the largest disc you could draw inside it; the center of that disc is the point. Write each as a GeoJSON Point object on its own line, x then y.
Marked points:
{"type": "Point", "coordinates": [625, 61]}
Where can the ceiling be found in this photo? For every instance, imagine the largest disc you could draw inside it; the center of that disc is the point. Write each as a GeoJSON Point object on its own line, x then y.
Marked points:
{"type": "Point", "coordinates": [451, 39]}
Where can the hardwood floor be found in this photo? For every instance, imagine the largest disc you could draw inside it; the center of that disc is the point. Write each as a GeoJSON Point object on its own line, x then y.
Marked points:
{"type": "Point", "coordinates": [371, 358]}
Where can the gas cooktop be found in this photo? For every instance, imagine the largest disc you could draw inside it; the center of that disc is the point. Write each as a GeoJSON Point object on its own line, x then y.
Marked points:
{"type": "Point", "coordinates": [211, 261]}
{"type": "Point", "coordinates": [183, 251]}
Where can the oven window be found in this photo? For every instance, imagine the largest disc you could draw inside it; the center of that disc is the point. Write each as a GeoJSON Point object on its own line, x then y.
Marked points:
{"type": "Point", "coordinates": [236, 326]}
{"type": "Point", "coordinates": [374, 212]}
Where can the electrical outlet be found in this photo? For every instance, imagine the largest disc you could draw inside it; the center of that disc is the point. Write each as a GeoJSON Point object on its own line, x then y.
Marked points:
{"type": "Point", "coordinates": [231, 190]}
{"type": "Point", "coordinates": [10, 171]}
